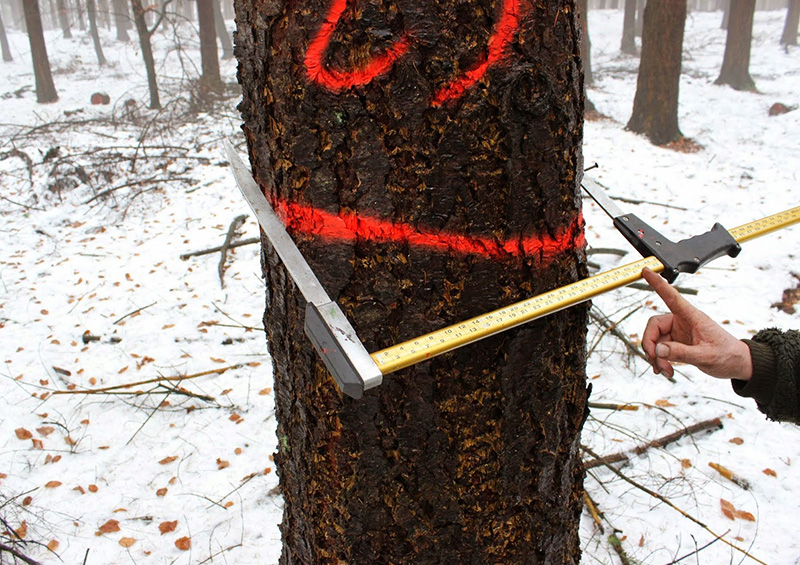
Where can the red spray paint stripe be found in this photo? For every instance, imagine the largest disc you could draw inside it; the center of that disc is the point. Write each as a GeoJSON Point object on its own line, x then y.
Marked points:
{"type": "Point", "coordinates": [502, 36]}
{"type": "Point", "coordinates": [340, 80]}
{"type": "Point", "coordinates": [349, 227]}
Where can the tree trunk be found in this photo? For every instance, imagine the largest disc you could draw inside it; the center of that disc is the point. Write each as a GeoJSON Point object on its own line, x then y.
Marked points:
{"type": "Point", "coordinates": [122, 20]}
{"type": "Point", "coordinates": [98, 48]}
{"type": "Point", "coordinates": [736, 63]}
{"type": "Point", "coordinates": [63, 18]}
{"type": "Point", "coordinates": [210, 81]}
{"type": "Point", "coordinates": [655, 106]}
{"type": "Point", "coordinates": [726, 14]}
{"type": "Point", "coordinates": [147, 52]}
{"type": "Point", "coordinates": [222, 31]}
{"type": "Point", "coordinates": [586, 43]}
{"type": "Point", "coordinates": [392, 134]}
{"type": "Point", "coordinates": [45, 88]}
{"type": "Point", "coordinates": [789, 36]}
{"type": "Point", "coordinates": [628, 43]}
{"type": "Point", "coordinates": [640, 17]}
{"type": "Point", "coordinates": [4, 41]}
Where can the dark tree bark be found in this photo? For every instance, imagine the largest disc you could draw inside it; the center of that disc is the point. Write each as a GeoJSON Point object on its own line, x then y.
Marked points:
{"type": "Point", "coordinates": [471, 457]}
{"type": "Point", "coordinates": [655, 106]}
{"type": "Point", "coordinates": [736, 63]}
{"type": "Point", "coordinates": [122, 20]}
{"type": "Point", "coordinates": [91, 9]}
{"type": "Point", "coordinates": [640, 17]}
{"type": "Point", "coordinates": [210, 81]}
{"type": "Point", "coordinates": [726, 14]}
{"type": "Point", "coordinates": [222, 31]}
{"type": "Point", "coordinates": [586, 43]}
{"type": "Point", "coordinates": [145, 34]}
{"type": "Point", "coordinates": [63, 18]}
{"type": "Point", "coordinates": [45, 88]}
{"type": "Point", "coordinates": [4, 42]}
{"type": "Point", "coordinates": [628, 43]}
{"type": "Point", "coordinates": [789, 36]}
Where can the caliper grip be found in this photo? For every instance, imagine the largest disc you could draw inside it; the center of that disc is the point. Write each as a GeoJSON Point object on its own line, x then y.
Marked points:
{"type": "Point", "coordinates": [685, 256]}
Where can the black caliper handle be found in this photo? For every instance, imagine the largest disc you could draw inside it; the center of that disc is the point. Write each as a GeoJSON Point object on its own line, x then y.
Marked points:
{"type": "Point", "coordinates": [684, 256]}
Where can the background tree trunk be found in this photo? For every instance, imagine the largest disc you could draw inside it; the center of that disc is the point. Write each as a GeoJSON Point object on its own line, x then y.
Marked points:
{"type": "Point", "coordinates": [471, 457]}
{"type": "Point", "coordinates": [736, 63]}
{"type": "Point", "coordinates": [45, 88]}
{"type": "Point", "coordinates": [147, 52]}
{"type": "Point", "coordinates": [63, 18]}
{"type": "Point", "coordinates": [210, 81]}
{"type": "Point", "coordinates": [4, 42]}
{"type": "Point", "coordinates": [222, 31]}
{"type": "Point", "coordinates": [628, 43]}
{"type": "Point", "coordinates": [655, 106]}
{"type": "Point", "coordinates": [122, 20]}
{"type": "Point", "coordinates": [586, 43]}
{"type": "Point", "coordinates": [789, 36]}
{"type": "Point", "coordinates": [98, 48]}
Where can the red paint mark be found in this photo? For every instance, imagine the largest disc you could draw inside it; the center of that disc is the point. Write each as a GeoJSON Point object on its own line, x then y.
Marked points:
{"type": "Point", "coordinates": [339, 80]}
{"type": "Point", "coordinates": [503, 34]}
{"type": "Point", "coordinates": [350, 227]}
{"type": "Point", "coordinates": [336, 80]}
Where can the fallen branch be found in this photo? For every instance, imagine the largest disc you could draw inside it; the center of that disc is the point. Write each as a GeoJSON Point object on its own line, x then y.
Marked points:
{"type": "Point", "coordinates": [129, 314]}
{"type": "Point", "coordinates": [612, 406]}
{"type": "Point", "coordinates": [13, 551]}
{"type": "Point", "coordinates": [671, 505]}
{"type": "Point", "coordinates": [108, 389]}
{"type": "Point", "coordinates": [235, 225]}
{"type": "Point", "coordinates": [240, 243]}
{"type": "Point", "coordinates": [713, 424]}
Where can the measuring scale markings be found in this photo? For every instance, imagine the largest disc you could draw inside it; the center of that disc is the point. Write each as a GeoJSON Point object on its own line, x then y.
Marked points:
{"type": "Point", "coordinates": [408, 353]}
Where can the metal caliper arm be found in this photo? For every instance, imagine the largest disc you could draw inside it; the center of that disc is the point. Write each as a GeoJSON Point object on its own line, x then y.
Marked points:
{"type": "Point", "coordinates": [326, 325]}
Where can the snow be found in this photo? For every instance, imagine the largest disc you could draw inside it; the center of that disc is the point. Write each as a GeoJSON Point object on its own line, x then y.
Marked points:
{"type": "Point", "coordinates": [111, 267]}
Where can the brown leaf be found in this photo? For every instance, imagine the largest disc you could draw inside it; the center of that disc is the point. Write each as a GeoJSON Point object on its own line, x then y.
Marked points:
{"type": "Point", "coordinates": [742, 515]}
{"type": "Point", "coordinates": [45, 430]}
{"type": "Point", "coordinates": [161, 492]}
{"type": "Point", "coordinates": [52, 545]}
{"type": "Point", "coordinates": [168, 460]}
{"type": "Point", "coordinates": [93, 488]}
{"type": "Point", "coordinates": [184, 543]}
{"type": "Point", "coordinates": [167, 527]}
{"type": "Point", "coordinates": [736, 440]}
{"type": "Point", "coordinates": [664, 403]}
{"type": "Point", "coordinates": [22, 433]}
{"type": "Point", "coordinates": [770, 472]}
{"type": "Point", "coordinates": [127, 542]}
{"type": "Point", "coordinates": [110, 527]}
{"type": "Point", "coordinates": [686, 463]}
{"type": "Point", "coordinates": [728, 509]}
{"type": "Point", "coordinates": [52, 484]}
{"type": "Point", "coordinates": [221, 464]}
{"type": "Point", "coordinates": [22, 531]}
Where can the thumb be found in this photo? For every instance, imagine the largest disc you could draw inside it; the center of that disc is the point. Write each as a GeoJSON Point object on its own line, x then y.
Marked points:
{"type": "Point", "coordinates": [675, 351]}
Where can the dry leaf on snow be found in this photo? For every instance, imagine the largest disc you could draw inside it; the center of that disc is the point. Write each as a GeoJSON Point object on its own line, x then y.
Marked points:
{"type": "Point", "coordinates": [183, 543]}
{"type": "Point", "coordinates": [109, 527]}
{"type": "Point", "coordinates": [22, 433]}
{"type": "Point", "coordinates": [127, 542]}
{"type": "Point", "coordinates": [167, 527]}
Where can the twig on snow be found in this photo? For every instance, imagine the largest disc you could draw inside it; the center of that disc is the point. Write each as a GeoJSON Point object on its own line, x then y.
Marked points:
{"type": "Point", "coordinates": [240, 243]}
{"type": "Point", "coordinates": [235, 225]}
{"type": "Point", "coordinates": [713, 424]}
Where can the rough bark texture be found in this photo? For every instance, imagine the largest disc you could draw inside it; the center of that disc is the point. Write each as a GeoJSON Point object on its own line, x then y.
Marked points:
{"type": "Point", "coordinates": [736, 62]}
{"type": "Point", "coordinates": [655, 106]}
{"type": "Point", "coordinates": [45, 88]}
{"type": "Point", "coordinates": [789, 36]}
{"type": "Point", "coordinates": [471, 457]}
{"type": "Point", "coordinates": [210, 81]}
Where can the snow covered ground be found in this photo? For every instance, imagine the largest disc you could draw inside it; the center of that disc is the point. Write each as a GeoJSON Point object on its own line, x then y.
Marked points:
{"type": "Point", "coordinates": [93, 294]}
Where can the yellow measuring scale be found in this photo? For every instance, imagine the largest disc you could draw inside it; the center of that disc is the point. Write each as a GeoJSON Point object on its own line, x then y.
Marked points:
{"type": "Point", "coordinates": [452, 337]}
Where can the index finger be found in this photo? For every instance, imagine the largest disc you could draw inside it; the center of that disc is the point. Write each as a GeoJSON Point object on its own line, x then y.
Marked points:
{"type": "Point", "coordinates": [671, 297]}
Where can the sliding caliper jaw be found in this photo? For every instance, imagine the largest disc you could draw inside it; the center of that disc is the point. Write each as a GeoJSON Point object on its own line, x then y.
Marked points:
{"type": "Point", "coordinates": [684, 256]}
{"type": "Point", "coordinates": [326, 325]}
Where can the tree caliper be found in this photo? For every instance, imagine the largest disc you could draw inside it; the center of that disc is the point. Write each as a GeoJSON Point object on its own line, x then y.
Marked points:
{"type": "Point", "coordinates": [356, 370]}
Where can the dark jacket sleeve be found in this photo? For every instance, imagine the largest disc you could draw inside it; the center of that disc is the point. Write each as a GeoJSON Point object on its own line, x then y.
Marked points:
{"type": "Point", "coordinates": [775, 384]}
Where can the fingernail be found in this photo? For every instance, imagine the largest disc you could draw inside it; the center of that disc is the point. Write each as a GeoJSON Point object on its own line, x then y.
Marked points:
{"type": "Point", "coordinates": [662, 351]}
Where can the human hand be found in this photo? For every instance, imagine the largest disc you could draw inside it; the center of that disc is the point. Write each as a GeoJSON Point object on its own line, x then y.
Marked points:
{"type": "Point", "coordinates": [687, 335]}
